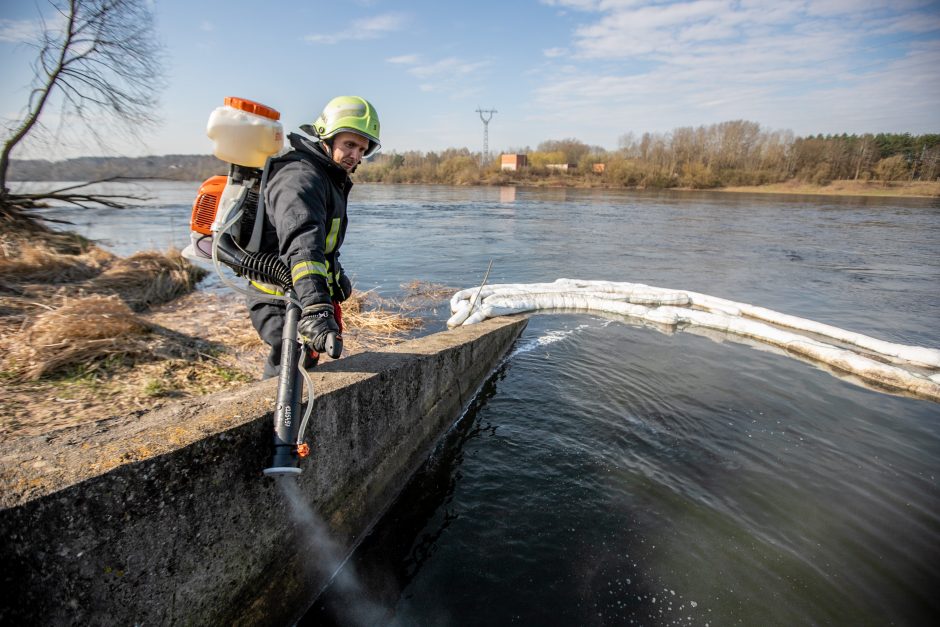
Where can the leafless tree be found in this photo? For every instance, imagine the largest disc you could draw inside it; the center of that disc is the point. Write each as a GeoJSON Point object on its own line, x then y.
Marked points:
{"type": "Point", "coordinates": [99, 63]}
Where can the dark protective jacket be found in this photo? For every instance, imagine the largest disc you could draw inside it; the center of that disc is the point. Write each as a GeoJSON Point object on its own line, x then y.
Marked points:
{"type": "Point", "coordinates": [305, 219]}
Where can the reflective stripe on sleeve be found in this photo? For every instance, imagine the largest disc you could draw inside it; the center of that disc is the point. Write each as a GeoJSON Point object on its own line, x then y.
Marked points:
{"type": "Point", "coordinates": [305, 268]}
{"type": "Point", "coordinates": [332, 235]}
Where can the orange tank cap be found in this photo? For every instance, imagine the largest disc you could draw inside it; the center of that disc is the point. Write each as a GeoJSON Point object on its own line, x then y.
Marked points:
{"type": "Point", "coordinates": [252, 107]}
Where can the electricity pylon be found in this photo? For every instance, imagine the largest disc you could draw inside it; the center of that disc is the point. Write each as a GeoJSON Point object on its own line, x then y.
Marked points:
{"type": "Point", "coordinates": [485, 116]}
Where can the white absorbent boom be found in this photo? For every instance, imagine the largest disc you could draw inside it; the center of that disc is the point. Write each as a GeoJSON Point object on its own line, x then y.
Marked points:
{"type": "Point", "coordinates": [914, 369]}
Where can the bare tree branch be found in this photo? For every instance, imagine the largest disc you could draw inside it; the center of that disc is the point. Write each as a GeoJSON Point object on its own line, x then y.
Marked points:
{"type": "Point", "coordinates": [104, 64]}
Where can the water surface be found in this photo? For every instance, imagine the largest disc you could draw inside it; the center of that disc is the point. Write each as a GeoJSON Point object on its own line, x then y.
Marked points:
{"type": "Point", "coordinates": [613, 474]}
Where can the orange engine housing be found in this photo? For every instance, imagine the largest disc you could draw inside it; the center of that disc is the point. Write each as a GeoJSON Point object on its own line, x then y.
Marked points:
{"type": "Point", "coordinates": [207, 204]}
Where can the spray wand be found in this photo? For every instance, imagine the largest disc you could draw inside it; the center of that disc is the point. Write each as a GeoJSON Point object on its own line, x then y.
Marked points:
{"type": "Point", "coordinates": [226, 228]}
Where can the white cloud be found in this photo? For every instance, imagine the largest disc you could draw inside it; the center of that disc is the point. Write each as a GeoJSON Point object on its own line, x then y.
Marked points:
{"type": "Point", "coordinates": [830, 8]}
{"type": "Point", "coordinates": [707, 31]}
{"type": "Point", "coordinates": [582, 5]}
{"type": "Point", "coordinates": [901, 96]}
{"type": "Point", "coordinates": [813, 66]}
{"type": "Point", "coordinates": [366, 28]}
{"type": "Point", "coordinates": [452, 75]}
{"type": "Point", "coordinates": [29, 31]}
{"type": "Point", "coordinates": [908, 23]}
{"type": "Point", "coordinates": [450, 66]}
{"type": "Point", "coordinates": [19, 31]}
{"type": "Point", "coordinates": [551, 53]}
{"type": "Point", "coordinates": [404, 59]}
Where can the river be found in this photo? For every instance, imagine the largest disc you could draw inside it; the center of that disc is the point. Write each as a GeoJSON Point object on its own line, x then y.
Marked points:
{"type": "Point", "coordinates": [614, 474]}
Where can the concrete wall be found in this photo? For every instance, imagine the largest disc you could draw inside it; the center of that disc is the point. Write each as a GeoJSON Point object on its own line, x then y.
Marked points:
{"type": "Point", "coordinates": [166, 519]}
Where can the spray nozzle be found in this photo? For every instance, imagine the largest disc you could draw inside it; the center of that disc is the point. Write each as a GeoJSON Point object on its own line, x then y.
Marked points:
{"type": "Point", "coordinates": [334, 344]}
{"type": "Point", "coordinates": [285, 461]}
{"type": "Point", "coordinates": [282, 471]}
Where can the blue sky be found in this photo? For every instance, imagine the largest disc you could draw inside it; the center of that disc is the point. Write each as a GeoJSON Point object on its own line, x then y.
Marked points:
{"type": "Point", "coordinates": [590, 69]}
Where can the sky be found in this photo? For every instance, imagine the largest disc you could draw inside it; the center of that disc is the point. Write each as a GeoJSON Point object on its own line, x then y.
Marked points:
{"type": "Point", "coordinates": [593, 70]}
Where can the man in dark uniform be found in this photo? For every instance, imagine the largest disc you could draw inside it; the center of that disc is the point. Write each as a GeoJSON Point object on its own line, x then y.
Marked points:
{"type": "Point", "coordinates": [305, 223]}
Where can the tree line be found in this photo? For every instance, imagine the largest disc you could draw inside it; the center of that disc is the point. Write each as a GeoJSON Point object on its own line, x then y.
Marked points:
{"type": "Point", "coordinates": [737, 152]}
{"type": "Point", "coordinates": [730, 153]}
{"type": "Point", "coordinates": [172, 167]}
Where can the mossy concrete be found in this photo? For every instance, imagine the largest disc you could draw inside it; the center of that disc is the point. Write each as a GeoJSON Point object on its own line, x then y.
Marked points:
{"type": "Point", "coordinates": [166, 518]}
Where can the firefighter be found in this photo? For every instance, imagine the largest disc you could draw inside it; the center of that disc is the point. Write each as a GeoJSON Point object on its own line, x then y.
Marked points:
{"type": "Point", "coordinates": [305, 223]}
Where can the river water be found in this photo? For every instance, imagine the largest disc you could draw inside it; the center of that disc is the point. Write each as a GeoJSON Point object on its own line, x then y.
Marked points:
{"type": "Point", "coordinates": [614, 474]}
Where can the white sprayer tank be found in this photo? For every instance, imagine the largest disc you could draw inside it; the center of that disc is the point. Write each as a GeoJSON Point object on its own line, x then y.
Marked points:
{"type": "Point", "coordinates": [245, 132]}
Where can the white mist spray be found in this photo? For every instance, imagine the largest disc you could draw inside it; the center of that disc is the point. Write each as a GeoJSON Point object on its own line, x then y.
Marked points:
{"type": "Point", "coordinates": [328, 560]}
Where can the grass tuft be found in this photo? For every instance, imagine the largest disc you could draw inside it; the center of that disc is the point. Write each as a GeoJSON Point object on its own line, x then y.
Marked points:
{"type": "Point", "coordinates": [78, 337]}
{"type": "Point", "coordinates": [23, 261]}
{"type": "Point", "coordinates": [371, 321]}
{"type": "Point", "coordinates": [148, 278]}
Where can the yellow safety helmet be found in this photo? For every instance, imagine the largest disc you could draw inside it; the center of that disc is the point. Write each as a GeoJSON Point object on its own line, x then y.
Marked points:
{"type": "Point", "coordinates": [347, 114]}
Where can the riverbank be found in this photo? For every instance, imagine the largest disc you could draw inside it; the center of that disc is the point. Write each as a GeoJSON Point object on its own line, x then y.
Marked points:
{"type": "Point", "coordinates": [169, 520]}
{"type": "Point", "coordinates": [907, 189]}
{"type": "Point", "coordinates": [912, 189]}
{"type": "Point", "coordinates": [122, 383]}
{"type": "Point", "coordinates": [89, 336]}
{"type": "Point", "coordinates": [915, 189]}
{"type": "Point", "coordinates": [848, 188]}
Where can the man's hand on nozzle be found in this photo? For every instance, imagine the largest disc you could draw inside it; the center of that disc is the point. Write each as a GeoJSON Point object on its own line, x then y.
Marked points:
{"type": "Point", "coordinates": [316, 323]}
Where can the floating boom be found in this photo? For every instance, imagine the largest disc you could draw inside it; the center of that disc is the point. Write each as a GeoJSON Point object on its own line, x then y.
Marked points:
{"type": "Point", "coordinates": [913, 369]}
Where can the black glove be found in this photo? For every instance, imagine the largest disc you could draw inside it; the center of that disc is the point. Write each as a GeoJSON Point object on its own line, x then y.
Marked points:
{"type": "Point", "coordinates": [318, 330]}
{"type": "Point", "coordinates": [345, 288]}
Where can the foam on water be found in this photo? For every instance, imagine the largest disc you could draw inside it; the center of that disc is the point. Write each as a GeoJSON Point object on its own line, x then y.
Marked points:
{"type": "Point", "coordinates": [546, 339]}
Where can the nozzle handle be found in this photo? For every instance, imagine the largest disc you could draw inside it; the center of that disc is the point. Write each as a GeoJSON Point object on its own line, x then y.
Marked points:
{"type": "Point", "coordinates": [334, 344]}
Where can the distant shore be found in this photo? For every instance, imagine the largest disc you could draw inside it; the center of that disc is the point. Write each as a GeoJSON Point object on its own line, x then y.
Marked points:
{"type": "Point", "coordinates": [905, 189]}
{"type": "Point", "coordinates": [915, 189]}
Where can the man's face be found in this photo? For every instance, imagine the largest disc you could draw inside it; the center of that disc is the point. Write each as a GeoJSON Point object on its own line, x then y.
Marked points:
{"type": "Point", "coordinates": [348, 149]}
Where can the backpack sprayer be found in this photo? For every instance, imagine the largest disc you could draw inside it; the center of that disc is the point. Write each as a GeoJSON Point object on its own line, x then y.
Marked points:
{"type": "Point", "coordinates": [226, 227]}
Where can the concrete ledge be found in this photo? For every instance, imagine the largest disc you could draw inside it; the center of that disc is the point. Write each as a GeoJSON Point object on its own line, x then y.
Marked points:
{"type": "Point", "coordinates": [167, 520]}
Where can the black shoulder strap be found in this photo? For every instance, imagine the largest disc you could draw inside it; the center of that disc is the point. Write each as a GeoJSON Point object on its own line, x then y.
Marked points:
{"type": "Point", "coordinates": [254, 243]}
{"type": "Point", "coordinates": [271, 166]}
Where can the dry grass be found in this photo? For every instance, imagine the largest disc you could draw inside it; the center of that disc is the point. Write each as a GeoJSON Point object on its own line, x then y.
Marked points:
{"type": "Point", "coordinates": [425, 289]}
{"type": "Point", "coordinates": [26, 261]}
{"type": "Point", "coordinates": [84, 336]}
{"type": "Point", "coordinates": [13, 236]}
{"type": "Point", "coordinates": [82, 333]}
{"type": "Point", "coordinates": [47, 405]}
{"type": "Point", "coordinates": [913, 189]}
{"type": "Point", "coordinates": [370, 321]}
{"type": "Point", "coordinates": [71, 347]}
{"type": "Point", "coordinates": [148, 278]}
{"type": "Point", "coordinates": [93, 357]}
{"type": "Point", "coordinates": [66, 304]}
